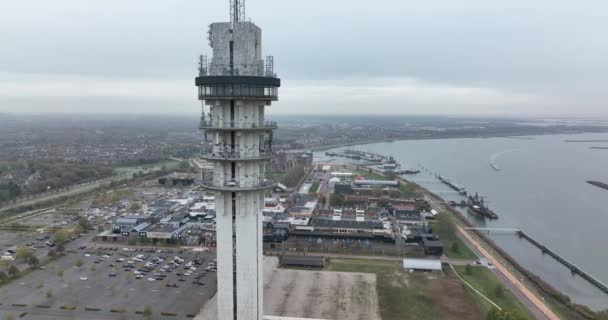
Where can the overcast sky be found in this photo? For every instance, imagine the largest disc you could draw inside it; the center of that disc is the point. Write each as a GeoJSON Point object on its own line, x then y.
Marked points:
{"type": "Point", "coordinates": [516, 57]}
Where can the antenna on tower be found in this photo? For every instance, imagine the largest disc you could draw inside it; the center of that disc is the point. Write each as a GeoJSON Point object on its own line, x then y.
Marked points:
{"type": "Point", "coordinates": [237, 11]}
{"type": "Point", "coordinates": [202, 65]}
{"type": "Point", "coordinates": [270, 66]}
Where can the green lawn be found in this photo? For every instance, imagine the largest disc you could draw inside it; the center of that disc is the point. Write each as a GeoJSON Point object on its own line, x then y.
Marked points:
{"type": "Point", "coordinates": [314, 188]}
{"type": "Point", "coordinates": [453, 246]}
{"type": "Point", "coordinates": [486, 282]}
{"type": "Point", "coordinates": [400, 296]}
{"type": "Point", "coordinates": [370, 175]}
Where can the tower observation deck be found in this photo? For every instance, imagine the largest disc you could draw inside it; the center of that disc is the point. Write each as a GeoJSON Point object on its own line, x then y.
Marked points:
{"type": "Point", "coordinates": [235, 86]}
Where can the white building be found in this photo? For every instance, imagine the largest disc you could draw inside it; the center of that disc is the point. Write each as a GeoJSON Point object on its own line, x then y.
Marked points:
{"type": "Point", "coordinates": [421, 264]}
{"type": "Point", "coordinates": [236, 86]}
{"type": "Point", "coordinates": [341, 174]}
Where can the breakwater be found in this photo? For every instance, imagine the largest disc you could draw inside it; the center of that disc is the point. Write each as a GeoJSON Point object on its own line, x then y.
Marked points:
{"type": "Point", "coordinates": [573, 268]}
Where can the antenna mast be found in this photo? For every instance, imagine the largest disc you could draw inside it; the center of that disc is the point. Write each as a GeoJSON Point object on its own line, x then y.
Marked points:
{"type": "Point", "coordinates": [237, 11]}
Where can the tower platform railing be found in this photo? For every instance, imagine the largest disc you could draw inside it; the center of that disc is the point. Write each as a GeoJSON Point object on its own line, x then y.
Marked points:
{"type": "Point", "coordinates": [235, 155]}
{"type": "Point", "coordinates": [231, 183]}
{"type": "Point", "coordinates": [238, 125]}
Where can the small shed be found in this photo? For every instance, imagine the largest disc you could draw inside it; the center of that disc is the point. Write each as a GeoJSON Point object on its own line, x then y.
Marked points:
{"type": "Point", "coordinates": [302, 261]}
{"type": "Point", "coordinates": [421, 264]}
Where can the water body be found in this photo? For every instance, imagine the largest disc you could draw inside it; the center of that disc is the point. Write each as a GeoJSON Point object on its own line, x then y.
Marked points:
{"type": "Point", "coordinates": [540, 187]}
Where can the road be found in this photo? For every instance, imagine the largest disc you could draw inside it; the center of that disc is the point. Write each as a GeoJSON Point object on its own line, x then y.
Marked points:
{"type": "Point", "coordinates": [444, 259]}
{"type": "Point", "coordinates": [84, 187]}
{"type": "Point", "coordinates": [528, 298]}
{"type": "Point", "coordinates": [73, 190]}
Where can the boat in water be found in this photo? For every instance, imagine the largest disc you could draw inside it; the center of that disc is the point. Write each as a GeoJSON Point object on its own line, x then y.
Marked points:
{"type": "Point", "coordinates": [454, 186]}
{"type": "Point", "coordinates": [598, 184]}
{"type": "Point", "coordinates": [408, 171]}
{"type": "Point", "coordinates": [477, 205]}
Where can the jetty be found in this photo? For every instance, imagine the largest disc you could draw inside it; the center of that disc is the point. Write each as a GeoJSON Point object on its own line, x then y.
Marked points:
{"type": "Point", "coordinates": [573, 268]}
{"type": "Point", "coordinates": [453, 185]}
{"type": "Point", "coordinates": [546, 250]}
{"type": "Point", "coordinates": [362, 155]}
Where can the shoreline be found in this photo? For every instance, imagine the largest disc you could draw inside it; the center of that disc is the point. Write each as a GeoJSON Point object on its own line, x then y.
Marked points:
{"type": "Point", "coordinates": [366, 142]}
{"type": "Point", "coordinates": [539, 286]}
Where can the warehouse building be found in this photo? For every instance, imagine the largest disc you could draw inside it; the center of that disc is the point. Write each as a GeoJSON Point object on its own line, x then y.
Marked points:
{"type": "Point", "coordinates": [410, 264]}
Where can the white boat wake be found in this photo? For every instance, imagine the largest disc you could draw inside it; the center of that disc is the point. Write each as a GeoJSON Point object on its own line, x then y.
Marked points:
{"type": "Point", "coordinates": [494, 158]}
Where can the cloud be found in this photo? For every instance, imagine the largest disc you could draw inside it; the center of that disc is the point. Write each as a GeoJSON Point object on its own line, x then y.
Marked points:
{"type": "Point", "coordinates": [68, 93]}
{"type": "Point", "coordinates": [470, 56]}
{"type": "Point", "coordinates": [404, 95]}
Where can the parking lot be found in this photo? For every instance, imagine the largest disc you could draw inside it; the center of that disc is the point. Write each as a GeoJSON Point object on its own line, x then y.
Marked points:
{"type": "Point", "coordinates": [113, 283]}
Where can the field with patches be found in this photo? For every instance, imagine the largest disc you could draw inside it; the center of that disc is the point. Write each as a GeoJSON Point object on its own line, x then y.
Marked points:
{"type": "Point", "coordinates": [418, 296]}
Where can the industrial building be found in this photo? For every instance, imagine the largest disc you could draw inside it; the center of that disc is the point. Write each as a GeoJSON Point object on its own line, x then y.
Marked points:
{"type": "Point", "coordinates": [409, 217]}
{"type": "Point", "coordinates": [303, 261]}
{"type": "Point", "coordinates": [376, 183]}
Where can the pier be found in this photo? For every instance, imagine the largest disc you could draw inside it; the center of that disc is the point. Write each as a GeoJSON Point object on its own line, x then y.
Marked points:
{"type": "Point", "coordinates": [573, 268]}
{"type": "Point", "coordinates": [545, 250]}
{"type": "Point", "coordinates": [371, 157]}
{"type": "Point", "coordinates": [507, 230]}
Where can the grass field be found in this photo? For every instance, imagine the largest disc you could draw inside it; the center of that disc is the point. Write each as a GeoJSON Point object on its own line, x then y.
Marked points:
{"type": "Point", "coordinates": [370, 175]}
{"type": "Point", "coordinates": [453, 246]}
{"type": "Point", "coordinates": [419, 296]}
{"type": "Point", "coordinates": [486, 282]}
{"type": "Point", "coordinates": [314, 187]}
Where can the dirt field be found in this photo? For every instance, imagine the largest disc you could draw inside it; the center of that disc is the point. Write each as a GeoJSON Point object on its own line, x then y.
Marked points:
{"type": "Point", "coordinates": [314, 294]}
{"type": "Point", "coordinates": [416, 295]}
{"type": "Point", "coordinates": [319, 294]}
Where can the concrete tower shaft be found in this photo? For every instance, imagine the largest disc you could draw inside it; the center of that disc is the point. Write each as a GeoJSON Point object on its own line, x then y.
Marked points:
{"type": "Point", "coordinates": [236, 87]}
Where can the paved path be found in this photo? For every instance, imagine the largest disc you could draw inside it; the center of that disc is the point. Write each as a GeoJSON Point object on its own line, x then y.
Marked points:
{"type": "Point", "coordinates": [512, 286]}
{"type": "Point", "coordinates": [512, 279]}
{"type": "Point", "coordinates": [444, 259]}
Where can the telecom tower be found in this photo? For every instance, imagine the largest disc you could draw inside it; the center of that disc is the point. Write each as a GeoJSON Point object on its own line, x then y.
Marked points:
{"type": "Point", "coordinates": [236, 85]}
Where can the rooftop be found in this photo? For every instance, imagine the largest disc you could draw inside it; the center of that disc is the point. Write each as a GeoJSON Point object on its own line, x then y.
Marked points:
{"type": "Point", "coordinates": [346, 223]}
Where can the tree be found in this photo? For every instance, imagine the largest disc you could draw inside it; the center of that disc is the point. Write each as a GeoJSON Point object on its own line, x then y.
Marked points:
{"type": "Point", "coordinates": [184, 165]}
{"type": "Point", "coordinates": [495, 314]}
{"type": "Point", "coordinates": [60, 248]}
{"type": "Point", "coordinates": [147, 312]}
{"type": "Point", "coordinates": [134, 207]}
{"type": "Point", "coordinates": [323, 200]}
{"type": "Point", "coordinates": [3, 276]}
{"type": "Point", "coordinates": [49, 293]}
{"type": "Point", "coordinates": [455, 247]}
{"type": "Point", "coordinates": [293, 176]}
{"type": "Point", "coordinates": [468, 269]}
{"type": "Point", "coordinates": [336, 200]}
{"type": "Point", "coordinates": [394, 194]}
{"type": "Point", "coordinates": [13, 270]}
{"type": "Point", "coordinates": [33, 261]}
{"type": "Point", "coordinates": [499, 290]}
{"type": "Point", "coordinates": [23, 253]}
{"type": "Point", "coordinates": [79, 263]}
{"type": "Point", "coordinates": [84, 223]}
{"type": "Point", "coordinates": [77, 230]}
{"type": "Point", "coordinates": [61, 236]}
{"type": "Point", "coordinates": [390, 175]}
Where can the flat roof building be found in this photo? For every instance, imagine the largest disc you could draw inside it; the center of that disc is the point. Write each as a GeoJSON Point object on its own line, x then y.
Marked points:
{"type": "Point", "coordinates": [410, 264]}
{"type": "Point", "coordinates": [382, 183]}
